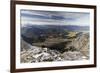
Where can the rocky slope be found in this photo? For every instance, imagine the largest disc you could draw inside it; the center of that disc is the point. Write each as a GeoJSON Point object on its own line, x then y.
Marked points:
{"type": "Point", "coordinates": [77, 49]}
{"type": "Point", "coordinates": [38, 54]}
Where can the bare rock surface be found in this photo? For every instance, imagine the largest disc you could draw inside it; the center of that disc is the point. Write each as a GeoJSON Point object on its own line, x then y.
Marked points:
{"type": "Point", "coordinates": [77, 49]}
{"type": "Point", "coordinates": [38, 55]}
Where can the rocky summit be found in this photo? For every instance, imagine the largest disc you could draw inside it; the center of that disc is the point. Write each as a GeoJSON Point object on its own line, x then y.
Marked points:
{"type": "Point", "coordinates": [77, 49]}
{"type": "Point", "coordinates": [38, 54]}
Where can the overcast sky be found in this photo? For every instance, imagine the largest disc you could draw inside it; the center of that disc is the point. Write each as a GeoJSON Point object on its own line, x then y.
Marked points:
{"type": "Point", "coordinates": [35, 17]}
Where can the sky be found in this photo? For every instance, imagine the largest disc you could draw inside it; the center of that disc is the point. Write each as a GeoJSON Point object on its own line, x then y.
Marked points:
{"type": "Point", "coordinates": [36, 17]}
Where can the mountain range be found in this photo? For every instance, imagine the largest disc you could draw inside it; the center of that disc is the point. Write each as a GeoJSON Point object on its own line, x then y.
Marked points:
{"type": "Point", "coordinates": [31, 32]}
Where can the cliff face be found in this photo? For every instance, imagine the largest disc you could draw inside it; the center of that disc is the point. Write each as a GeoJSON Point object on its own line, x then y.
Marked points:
{"type": "Point", "coordinates": [84, 44]}
{"type": "Point", "coordinates": [81, 43]}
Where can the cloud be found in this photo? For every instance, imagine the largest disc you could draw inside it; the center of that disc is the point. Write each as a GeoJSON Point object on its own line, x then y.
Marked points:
{"type": "Point", "coordinates": [54, 18]}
